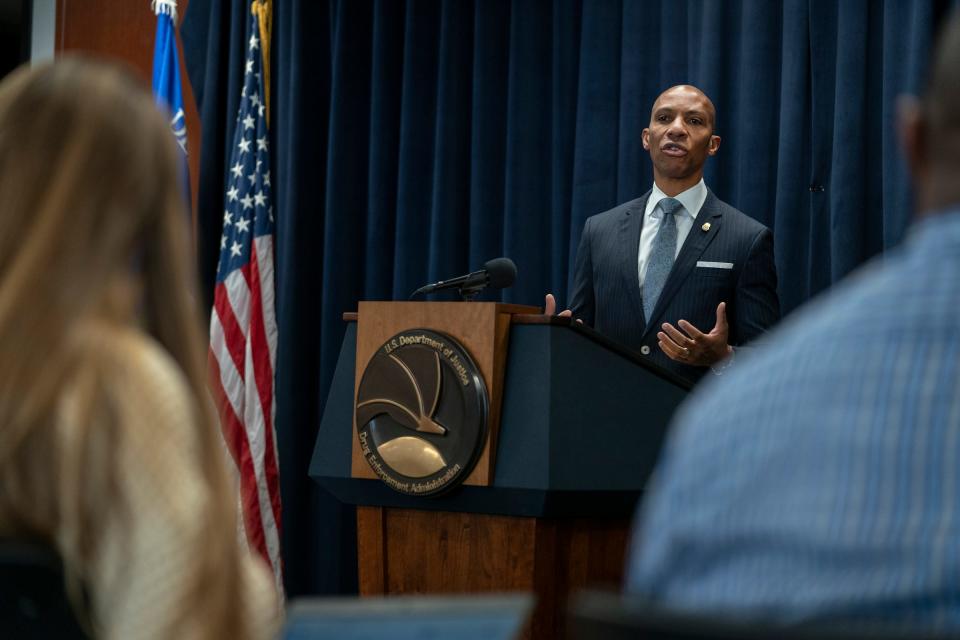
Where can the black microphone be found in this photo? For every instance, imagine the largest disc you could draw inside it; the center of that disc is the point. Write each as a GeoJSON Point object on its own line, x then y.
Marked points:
{"type": "Point", "coordinates": [498, 273]}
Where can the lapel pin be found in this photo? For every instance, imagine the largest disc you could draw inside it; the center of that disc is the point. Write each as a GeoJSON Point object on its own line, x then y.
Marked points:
{"type": "Point", "coordinates": [706, 226]}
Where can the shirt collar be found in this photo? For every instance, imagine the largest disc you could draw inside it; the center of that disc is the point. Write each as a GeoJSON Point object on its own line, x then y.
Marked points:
{"type": "Point", "coordinates": [692, 199]}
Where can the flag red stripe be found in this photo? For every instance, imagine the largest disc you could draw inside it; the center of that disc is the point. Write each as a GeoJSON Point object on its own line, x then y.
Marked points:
{"type": "Point", "coordinates": [236, 438]}
{"type": "Point", "coordinates": [232, 332]}
{"type": "Point", "coordinates": [223, 405]}
{"type": "Point", "coordinates": [263, 376]}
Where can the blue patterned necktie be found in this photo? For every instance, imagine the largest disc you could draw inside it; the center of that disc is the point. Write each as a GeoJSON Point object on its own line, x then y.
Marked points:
{"type": "Point", "coordinates": [661, 256]}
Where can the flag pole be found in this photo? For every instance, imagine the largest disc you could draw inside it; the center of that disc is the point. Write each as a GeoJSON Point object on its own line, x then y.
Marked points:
{"type": "Point", "coordinates": [263, 9]}
{"type": "Point", "coordinates": [167, 7]}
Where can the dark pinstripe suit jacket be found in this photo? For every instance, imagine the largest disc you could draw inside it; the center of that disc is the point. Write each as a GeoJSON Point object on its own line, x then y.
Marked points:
{"type": "Point", "coordinates": [606, 289]}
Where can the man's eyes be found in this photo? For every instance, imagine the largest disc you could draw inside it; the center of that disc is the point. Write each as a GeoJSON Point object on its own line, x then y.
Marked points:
{"type": "Point", "coordinates": [694, 121]}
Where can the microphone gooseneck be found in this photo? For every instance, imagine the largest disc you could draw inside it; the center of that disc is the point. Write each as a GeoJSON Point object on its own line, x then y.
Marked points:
{"type": "Point", "coordinates": [498, 273]}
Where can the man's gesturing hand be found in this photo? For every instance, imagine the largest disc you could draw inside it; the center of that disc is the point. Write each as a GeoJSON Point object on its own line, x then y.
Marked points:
{"type": "Point", "coordinates": [692, 346]}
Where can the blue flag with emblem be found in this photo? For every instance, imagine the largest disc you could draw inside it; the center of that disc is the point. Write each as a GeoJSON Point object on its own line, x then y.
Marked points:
{"type": "Point", "coordinates": [166, 69]}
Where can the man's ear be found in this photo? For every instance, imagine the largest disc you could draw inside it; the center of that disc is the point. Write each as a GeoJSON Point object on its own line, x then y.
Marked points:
{"type": "Point", "coordinates": [912, 129]}
{"type": "Point", "coordinates": [714, 145]}
{"type": "Point", "coordinates": [645, 138]}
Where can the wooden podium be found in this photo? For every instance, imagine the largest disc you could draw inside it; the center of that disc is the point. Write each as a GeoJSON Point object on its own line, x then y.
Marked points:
{"type": "Point", "coordinates": [575, 425]}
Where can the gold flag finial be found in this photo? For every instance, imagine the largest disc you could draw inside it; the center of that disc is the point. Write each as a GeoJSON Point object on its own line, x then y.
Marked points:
{"type": "Point", "coordinates": [263, 9]}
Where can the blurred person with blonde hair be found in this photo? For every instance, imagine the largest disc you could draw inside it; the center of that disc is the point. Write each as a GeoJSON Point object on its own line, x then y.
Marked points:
{"type": "Point", "coordinates": [108, 449]}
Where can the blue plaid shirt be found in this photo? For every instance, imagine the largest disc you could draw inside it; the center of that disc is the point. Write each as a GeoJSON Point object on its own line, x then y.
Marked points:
{"type": "Point", "coordinates": [820, 478]}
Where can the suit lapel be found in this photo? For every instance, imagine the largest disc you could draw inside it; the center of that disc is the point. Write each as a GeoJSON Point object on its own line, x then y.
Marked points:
{"type": "Point", "coordinates": [628, 246]}
{"type": "Point", "coordinates": [697, 240]}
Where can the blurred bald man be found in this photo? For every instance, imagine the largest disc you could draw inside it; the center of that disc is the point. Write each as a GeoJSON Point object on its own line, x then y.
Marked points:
{"type": "Point", "coordinates": [820, 480]}
{"type": "Point", "coordinates": [676, 274]}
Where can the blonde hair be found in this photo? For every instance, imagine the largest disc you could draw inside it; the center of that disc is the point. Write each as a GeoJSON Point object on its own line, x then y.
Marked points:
{"type": "Point", "coordinates": [90, 197]}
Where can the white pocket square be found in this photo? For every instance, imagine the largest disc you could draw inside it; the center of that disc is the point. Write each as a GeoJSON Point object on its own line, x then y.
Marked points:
{"type": "Point", "coordinates": [714, 265]}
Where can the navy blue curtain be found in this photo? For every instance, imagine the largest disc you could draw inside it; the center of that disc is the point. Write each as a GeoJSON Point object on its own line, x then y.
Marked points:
{"type": "Point", "coordinates": [415, 140]}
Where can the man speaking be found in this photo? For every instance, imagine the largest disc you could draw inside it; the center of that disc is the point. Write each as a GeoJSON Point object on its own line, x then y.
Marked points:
{"type": "Point", "coordinates": [677, 274]}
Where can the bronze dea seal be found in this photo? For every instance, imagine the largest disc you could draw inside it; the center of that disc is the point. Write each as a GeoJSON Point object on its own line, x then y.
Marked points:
{"type": "Point", "coordinates": [421, 412]}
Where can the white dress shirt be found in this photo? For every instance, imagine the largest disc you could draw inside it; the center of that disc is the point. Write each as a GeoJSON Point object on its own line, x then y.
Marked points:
{"type": "Point", "coordinates": [691, 199]}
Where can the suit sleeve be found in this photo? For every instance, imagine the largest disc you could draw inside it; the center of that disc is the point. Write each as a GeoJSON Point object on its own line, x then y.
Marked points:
{"type": "Point", "coordinates": [581, 295]}
{"type": "Point", "coordinates": [757, 305]}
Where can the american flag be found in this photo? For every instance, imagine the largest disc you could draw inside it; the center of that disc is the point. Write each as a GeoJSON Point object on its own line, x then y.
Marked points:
{"type": "Point", "coordinates": [243, 328]}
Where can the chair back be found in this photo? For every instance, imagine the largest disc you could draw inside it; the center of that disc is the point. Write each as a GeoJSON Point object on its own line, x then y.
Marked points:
{"type": "Point", "coordinates": [33, 600]}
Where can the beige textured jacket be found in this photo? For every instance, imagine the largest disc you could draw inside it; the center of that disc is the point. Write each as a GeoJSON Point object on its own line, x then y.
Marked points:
{"type": "Point", "coordinates": [145, 556]}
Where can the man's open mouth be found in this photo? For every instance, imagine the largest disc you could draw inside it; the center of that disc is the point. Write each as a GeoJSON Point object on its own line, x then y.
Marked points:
{"type": "Point", "coordinates": [673, 149]}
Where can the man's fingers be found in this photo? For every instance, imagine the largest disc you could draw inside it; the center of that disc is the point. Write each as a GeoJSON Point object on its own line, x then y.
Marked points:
{"type": "Point", "coordinates": [670, 348]}
{"type": "Point", "coordinates": [721, 316]}
{"type": "Point", "coordinates": [549, 305]}
{"type": "Point", "coordinates": [679, 338]}
{"type": "Point", "coordinates": [669, 342]}
{"type": "Point", "coordinates": [550, 308]}
{"type": "Point", "coordinates": [691, 330]}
